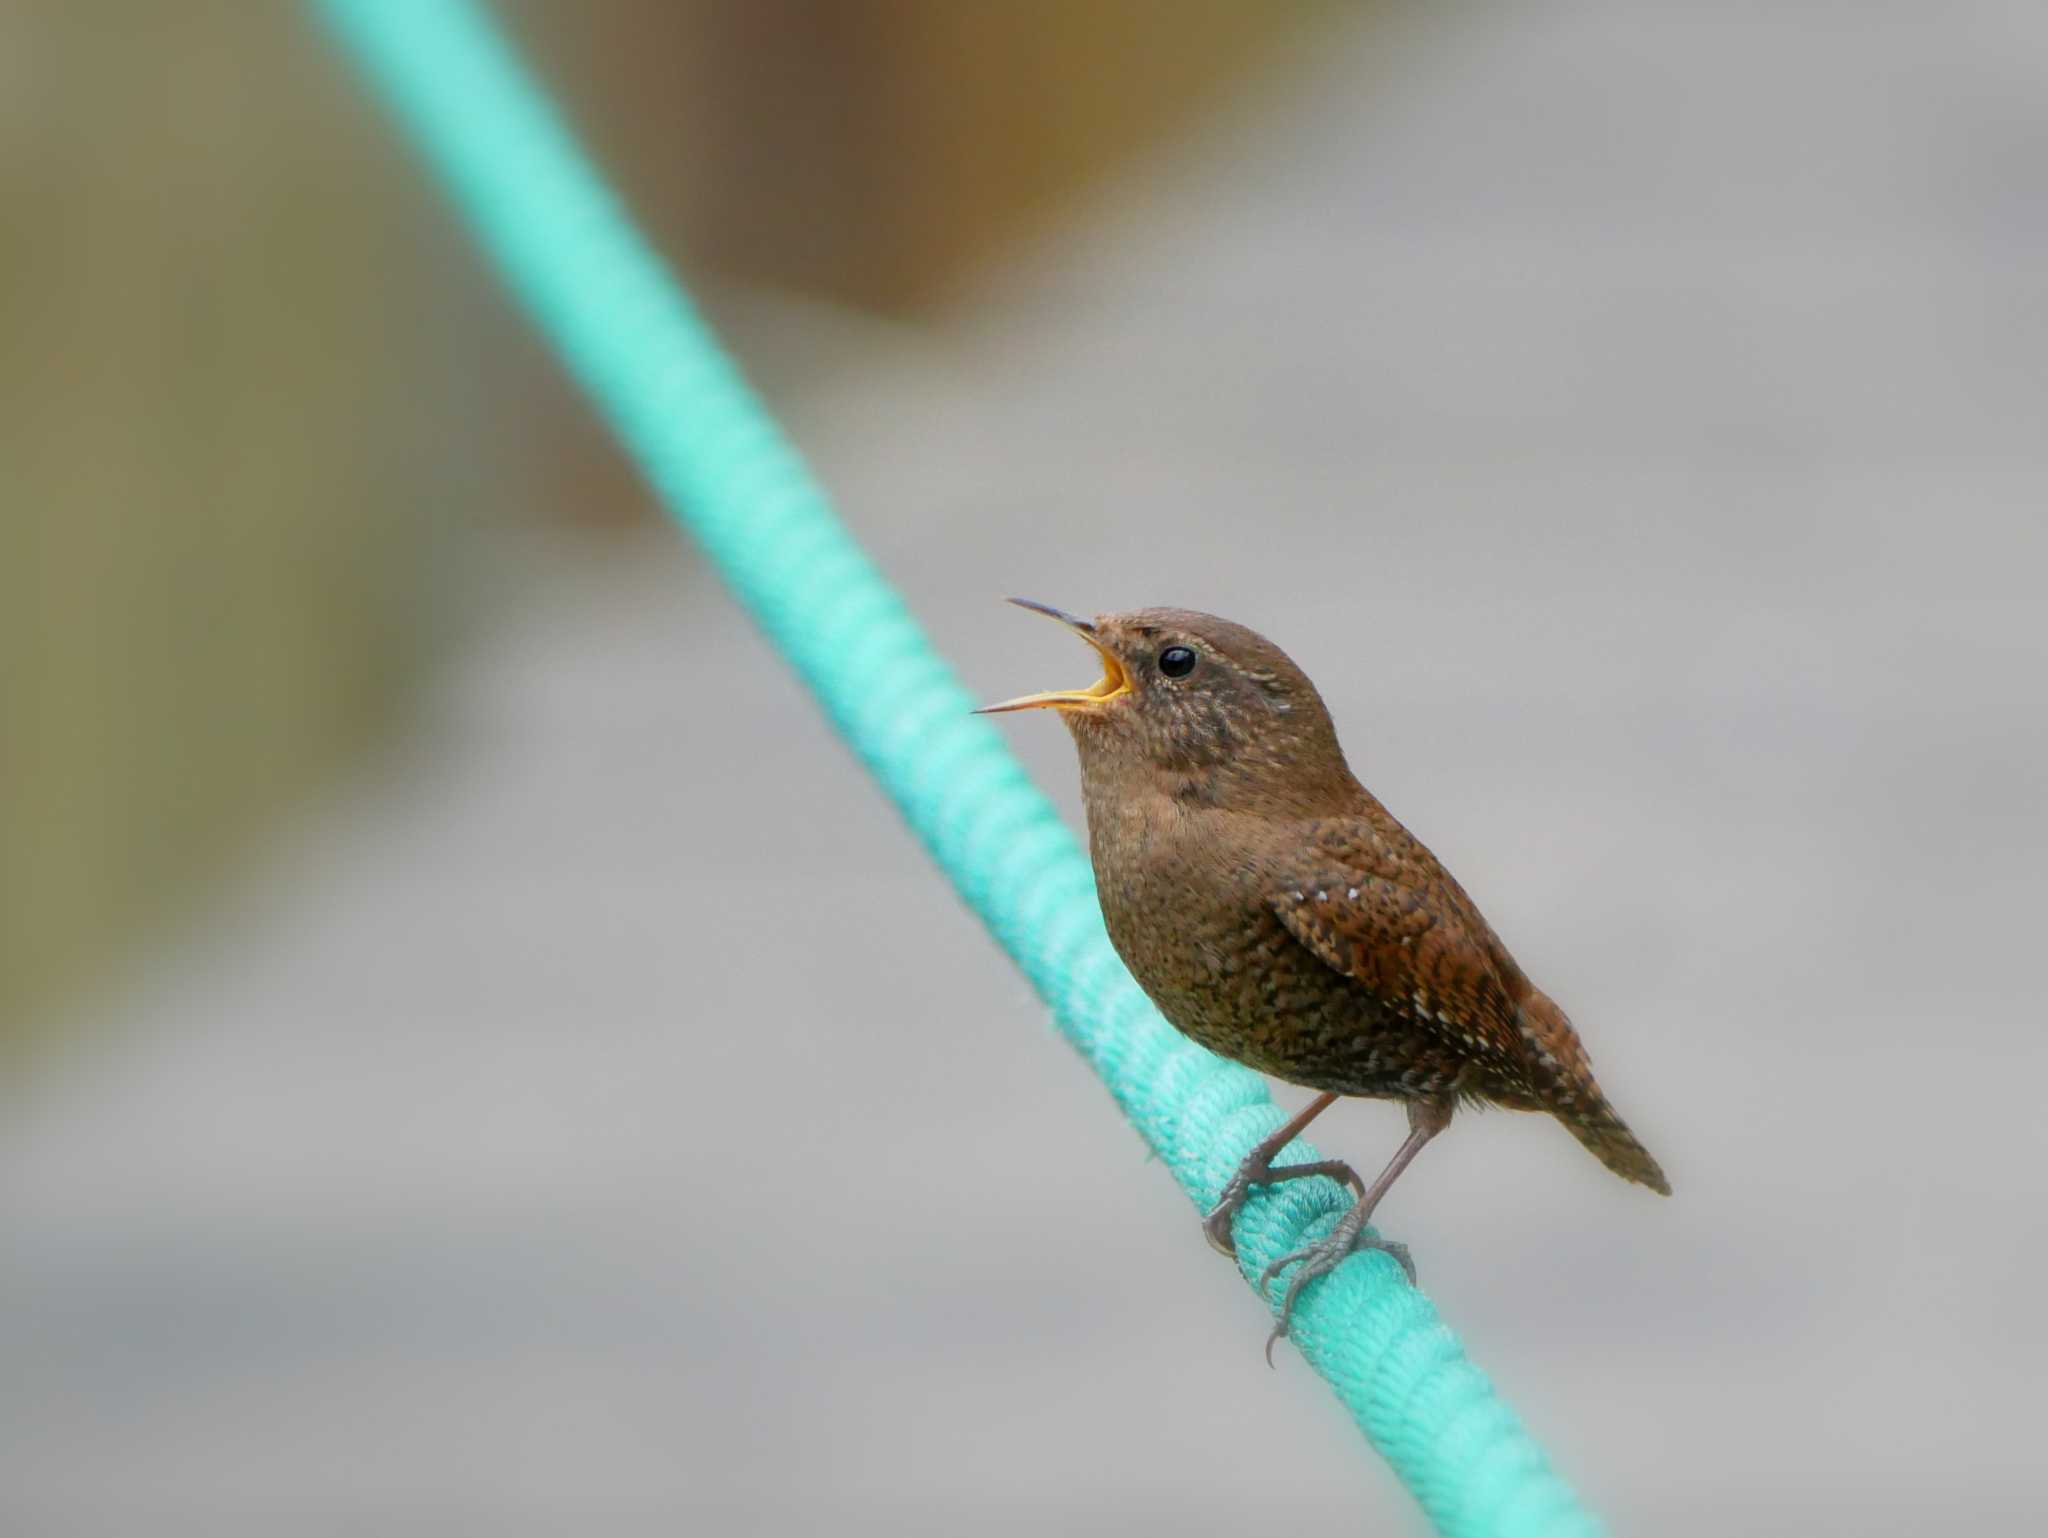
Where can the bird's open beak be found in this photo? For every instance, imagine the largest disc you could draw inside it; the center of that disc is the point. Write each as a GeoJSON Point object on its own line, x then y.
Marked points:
{"type": "Point", "coordinates": [1114, 680]}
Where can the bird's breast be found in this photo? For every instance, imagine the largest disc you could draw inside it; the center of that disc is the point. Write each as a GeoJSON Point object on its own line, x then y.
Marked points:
{"type": "Point", "coordinates": [1184, 897]}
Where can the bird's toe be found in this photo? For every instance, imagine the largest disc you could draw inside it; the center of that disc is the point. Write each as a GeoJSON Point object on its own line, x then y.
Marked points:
{"type": "Point", "coordinates": [1320, 1259]}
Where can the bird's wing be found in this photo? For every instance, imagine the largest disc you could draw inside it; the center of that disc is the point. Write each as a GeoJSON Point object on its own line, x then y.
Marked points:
{"type": "Point", "coordinates": [1407, 936]}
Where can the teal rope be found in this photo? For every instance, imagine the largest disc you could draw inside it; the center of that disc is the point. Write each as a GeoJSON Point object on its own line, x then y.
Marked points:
{"type": "Point", "coordinates": [571, 255]}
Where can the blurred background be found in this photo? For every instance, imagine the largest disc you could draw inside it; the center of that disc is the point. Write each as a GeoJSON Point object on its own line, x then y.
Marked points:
{"type": "Point", "coordinates": [427, 1101]}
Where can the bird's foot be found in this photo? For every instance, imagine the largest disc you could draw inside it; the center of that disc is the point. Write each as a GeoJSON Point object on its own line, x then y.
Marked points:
{"type": "Point", "coordinates": [1323, 1257]}
{"type": "Point", "coordinates": [1255, 1171]}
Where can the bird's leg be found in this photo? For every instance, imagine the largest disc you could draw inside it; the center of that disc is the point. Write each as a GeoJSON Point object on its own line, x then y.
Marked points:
{"type": "Point", "coordinates": [1426, 1118]}
{"type": "Point", "coordinates": [1257, 1170]}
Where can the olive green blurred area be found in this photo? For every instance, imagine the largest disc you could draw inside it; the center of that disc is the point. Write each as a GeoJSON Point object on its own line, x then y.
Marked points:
{"type": "Point", "coordinates": [217, 580]}
{"type": "Point", "coordinates": [254, 390]}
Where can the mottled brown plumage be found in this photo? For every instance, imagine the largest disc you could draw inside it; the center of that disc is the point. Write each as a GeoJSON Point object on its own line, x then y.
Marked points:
{"type": "Point", "coordinates": [1279, 915]}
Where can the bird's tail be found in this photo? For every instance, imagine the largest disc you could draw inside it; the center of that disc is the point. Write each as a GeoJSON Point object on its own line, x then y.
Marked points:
{"type": "Point", "coordinates": [1573, 1095]}
{"type": "Point", "coordinates": [1608, 1139]}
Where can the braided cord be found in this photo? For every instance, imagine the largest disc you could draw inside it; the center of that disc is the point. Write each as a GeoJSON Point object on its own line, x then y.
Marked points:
{"type": "Point", "coordinates": [570, 254]}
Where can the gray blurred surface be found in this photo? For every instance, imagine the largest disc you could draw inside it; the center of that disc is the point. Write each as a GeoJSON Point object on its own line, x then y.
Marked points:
{"type": "Point", "coordinates": [1631, 415]}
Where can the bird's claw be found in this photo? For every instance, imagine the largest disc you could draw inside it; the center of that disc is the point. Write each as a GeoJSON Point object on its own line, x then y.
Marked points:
{"type": "Point", "coordinates": [1216, 1225]}
{"type": "Point", "coordinates": [1320, 1259]}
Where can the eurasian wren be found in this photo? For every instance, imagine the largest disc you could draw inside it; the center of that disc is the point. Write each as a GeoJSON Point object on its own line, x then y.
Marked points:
{"type": "Point", "coordinates": [1276, 912]}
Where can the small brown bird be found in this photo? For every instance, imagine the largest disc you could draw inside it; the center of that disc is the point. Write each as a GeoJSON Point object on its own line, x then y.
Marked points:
{"type": "Point", "coordinates": [1276, 913]}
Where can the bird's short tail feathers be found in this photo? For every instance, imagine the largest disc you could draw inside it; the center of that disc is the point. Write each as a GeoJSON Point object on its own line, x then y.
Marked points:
{"type": "Point", "coordinates": [1573, 1095]}
{"type": "Point", "coordinates": [1608, 1139]}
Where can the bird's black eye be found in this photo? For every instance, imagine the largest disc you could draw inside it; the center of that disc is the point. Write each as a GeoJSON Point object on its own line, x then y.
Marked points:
{"type": "Point", "coordinates": [1177, 661]}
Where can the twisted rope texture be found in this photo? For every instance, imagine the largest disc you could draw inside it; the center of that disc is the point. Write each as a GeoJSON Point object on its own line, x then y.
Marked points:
{"type": "Point", "coordinates": [570, 254]}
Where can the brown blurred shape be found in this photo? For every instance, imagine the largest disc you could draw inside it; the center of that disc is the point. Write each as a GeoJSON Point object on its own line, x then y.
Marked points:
{"type": "Point", "coordinates": [870, 153]}
{"type": "Point", "coordinates": [875, 151]}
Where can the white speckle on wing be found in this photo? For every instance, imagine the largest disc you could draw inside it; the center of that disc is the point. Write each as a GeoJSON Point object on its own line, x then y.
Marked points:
{"type": "Point", "coordinates": [1352, 894]}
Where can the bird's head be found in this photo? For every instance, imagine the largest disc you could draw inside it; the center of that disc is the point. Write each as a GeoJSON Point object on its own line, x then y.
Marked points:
{"type": "Point", "coordinates": [1201, 707]}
